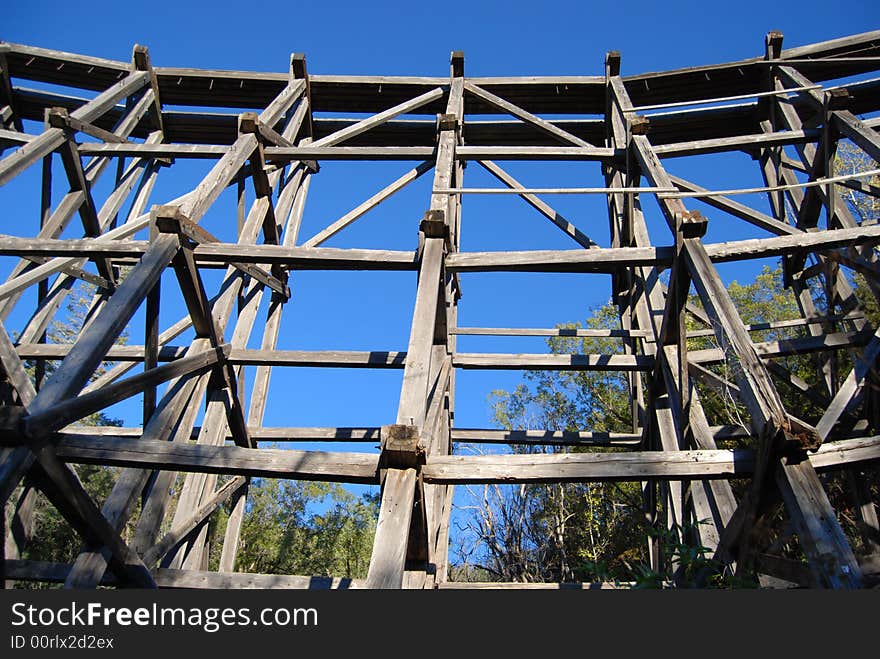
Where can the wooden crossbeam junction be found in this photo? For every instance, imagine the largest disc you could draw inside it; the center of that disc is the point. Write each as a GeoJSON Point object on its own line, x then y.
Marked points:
{"type": "Point", "coordinates": [786, 108]}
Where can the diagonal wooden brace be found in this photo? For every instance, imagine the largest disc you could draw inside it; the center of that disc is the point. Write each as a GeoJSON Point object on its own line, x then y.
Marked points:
{"type": "Point", "coordinates": [170, 220]}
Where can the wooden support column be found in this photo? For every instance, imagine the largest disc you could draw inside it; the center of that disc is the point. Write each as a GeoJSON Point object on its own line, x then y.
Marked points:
{"type": "Point", "coordinates": [645, 300]}
{"type": "Point", "coordinates": [398, 533]}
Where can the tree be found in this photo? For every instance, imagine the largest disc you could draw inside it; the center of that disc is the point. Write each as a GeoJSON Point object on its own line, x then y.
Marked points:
{"type": "Point", "coordinates": [559, 532]}
{"type": "Point", "coordinates": [849, 159]}
{"type": "Point", "coordinates": [56, 540]}
{"type": "Point", "coordinates": [301, 527]}
{"type": "Point", "coordinates": [594, 531]}
{"type": "Point", "coordinates": [290, 527]}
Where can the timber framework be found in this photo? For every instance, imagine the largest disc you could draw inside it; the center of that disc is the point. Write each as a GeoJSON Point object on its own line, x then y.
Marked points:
{"type": "Point", "coordinates": [129, 126]}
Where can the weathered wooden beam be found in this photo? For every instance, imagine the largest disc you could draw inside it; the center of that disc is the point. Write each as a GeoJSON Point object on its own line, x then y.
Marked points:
{"type": "Point", "coordinates": [64, 413]}
{"type": "Point", "coordinates": [178, 532]}
{"type": "Point", "coordinates": [828, 552]}
{"type": "Point", "coordinates": [45, 571]}
{"type": "Point", "coordinates": [392, 530]}
{"type": "Point", "coordinates": [234, 460]}
{"type": "Point", "coordinates": [52, 138]}
{"type": "Point", "coordinates": [553, 362]}
{"type": "Point", "coordinates": [364, 468]}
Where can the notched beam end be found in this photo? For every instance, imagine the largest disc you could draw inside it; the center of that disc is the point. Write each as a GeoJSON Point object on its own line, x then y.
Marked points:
{"type": "Point", "coordinates": [400, 447]}
{"type": "Point", "coordinates": [800, 437]}
{"type": "Point", "coordinates": [248, 122]}
{"type": "Point", "coordinates": [693, 224]}
{"type": "Point", "coordinates": [456, 62]}
{"type": "Point", "coordinates": [639, 125]}
{"type": "Point", "coordinates": [298, 65]}
{"type": "Point", "coordinates": [837, 99]}
{"type": "Point", "coordinates": [773, 44]}
{"type": "Point", "coordinates": [612, 63]}
{"type": "Point", "coordinates": [58, 117]}
{"type": "Point", "coordinates": [434, 224]}
{"type": "Point", "coordinates": [140, 58]}
{"type": "Point", "coordinates": [169, 219]}
{"type": "Point", "coordinates": [447, 122]}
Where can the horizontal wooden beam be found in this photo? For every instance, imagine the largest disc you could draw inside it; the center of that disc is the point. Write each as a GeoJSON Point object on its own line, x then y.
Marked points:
{"type": "Point", "coordinates": [502, 468]}
{"type": "Point", "coordinates": [45, 571]}
{"type": "Point", "coordinates": [397, 359]}
{"type": "Point", "coordinates": [328, 258]}
{"type": "Point", "coordinates": [234, 460]}
{"type": "Point", "coordinates": [521, 585]}
{"type": "Point", "coordinates": [553, 362]}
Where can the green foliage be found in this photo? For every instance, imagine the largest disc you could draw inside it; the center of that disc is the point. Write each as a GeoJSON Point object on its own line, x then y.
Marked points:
{"type": "Point", "coordinates": [55, 540]}
{"type": "Point", "coordinates": [850, 159]}
{"type": "Point", "coordinates": [598, 531]}
{"type": "Point", "coordinates": [289, 528]}
{"type": "Point", "coordinates": [765, 300]}
{"type": "Point", "coordinates": [563, 532]}
{"type": "Point", "coordinates": [693, 565]}
{"type": "Point", "coordinates": [301, 527]}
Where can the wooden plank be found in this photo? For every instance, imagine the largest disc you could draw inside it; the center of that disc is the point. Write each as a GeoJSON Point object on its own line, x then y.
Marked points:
{"type": "Point", "coordinates": [553, 362]}
{"type": "Point", "coordinates": [329, 358]}
{"type": "Point", "coordinates": [234, 460]}
{"type": "Point", "coordinates": [736, 143]}
{"type": "Point", "coordinates": [585, 467]}
{"type": "Point", "coordinates": [556, 331]}
{"type": "Point", "coordinates": [827, 549]}
{"type": "Point", "coordinates": [414, 391]}
{"type": "Point", "coordinates": [371, 434]}
{"type": "Point", "coordinates": [392, 530]}
{"type": "Point", "coordinates": [137, 149]}
{"type": "Point", "coordinates": [580, 260]}
{"type": "Point", "coordinates": [363, 468]}
{"type": "Point", "coordinates": [27, 570]}
{"type": "Point", "coordinates": [545, 437]}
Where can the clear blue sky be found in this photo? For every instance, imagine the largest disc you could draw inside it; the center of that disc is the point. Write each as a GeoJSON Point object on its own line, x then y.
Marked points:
{"type": "Point", "coordinates": [371, 311]}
